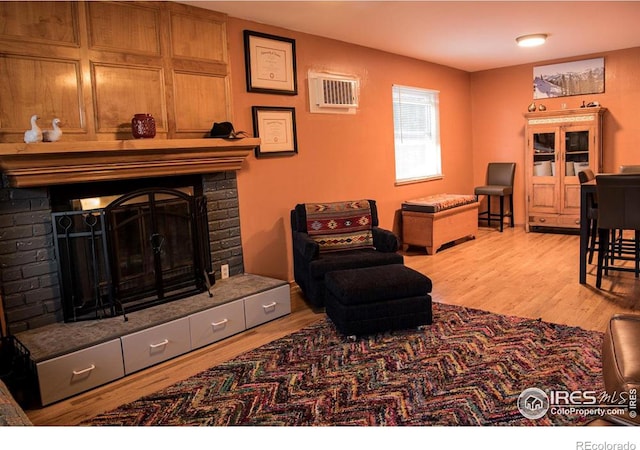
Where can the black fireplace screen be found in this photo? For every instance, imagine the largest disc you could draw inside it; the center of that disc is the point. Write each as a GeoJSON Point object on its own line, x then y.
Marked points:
{"type": "Point", "coordinates": [147, 247]}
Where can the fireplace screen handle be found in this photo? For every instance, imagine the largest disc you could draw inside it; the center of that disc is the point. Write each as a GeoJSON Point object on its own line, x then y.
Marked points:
{"type": "Point", "coordinates": [157, 241]}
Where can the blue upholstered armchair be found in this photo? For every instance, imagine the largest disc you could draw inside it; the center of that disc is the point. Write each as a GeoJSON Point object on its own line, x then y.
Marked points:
{"type": "Point", "coordinates": [337, 236]}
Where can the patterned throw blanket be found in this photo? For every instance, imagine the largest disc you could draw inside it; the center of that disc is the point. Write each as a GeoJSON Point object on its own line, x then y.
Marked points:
{"type": "Point", "coordinates": [438, 202]}
{"type": "Point", "coordinates": [340, 225]}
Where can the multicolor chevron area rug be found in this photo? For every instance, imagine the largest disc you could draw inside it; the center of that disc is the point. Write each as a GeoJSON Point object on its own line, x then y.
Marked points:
{"type": "Point", "coordinates": [468, 368]}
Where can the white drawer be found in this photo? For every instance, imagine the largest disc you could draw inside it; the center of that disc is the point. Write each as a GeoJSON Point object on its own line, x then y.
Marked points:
{"type": "Point", "coordinates": [154, 345]}
{"type": "Point", "coordinates": [80, 371]}
{"type": "Point", "coordinates": [266, 306]}
{"type": "Point", "coordinates": [216, 323]}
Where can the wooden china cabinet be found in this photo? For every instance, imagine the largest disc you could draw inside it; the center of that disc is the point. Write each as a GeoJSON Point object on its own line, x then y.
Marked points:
{"type": "Point", "coordinates": [559, 144]}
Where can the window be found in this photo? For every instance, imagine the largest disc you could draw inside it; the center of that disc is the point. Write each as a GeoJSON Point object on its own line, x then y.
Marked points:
{"type": "Point", "coordinates": [416, 133]}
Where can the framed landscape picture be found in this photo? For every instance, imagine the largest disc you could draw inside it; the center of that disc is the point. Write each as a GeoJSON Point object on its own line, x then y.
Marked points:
{"type": "Point", "coordinates": [571, 78]}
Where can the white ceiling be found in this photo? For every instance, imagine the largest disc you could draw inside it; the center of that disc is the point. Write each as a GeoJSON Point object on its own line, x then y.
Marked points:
{"type": "Point", "coordinates": [468, 35]}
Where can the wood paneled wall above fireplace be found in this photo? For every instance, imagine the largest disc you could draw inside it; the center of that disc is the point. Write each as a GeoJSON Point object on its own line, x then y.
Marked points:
{"type": "Point", "coordinates": [95, 64]}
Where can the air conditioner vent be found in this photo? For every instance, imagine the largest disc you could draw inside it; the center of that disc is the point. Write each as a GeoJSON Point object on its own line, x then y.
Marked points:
{"type": "Point", "coordinates": [330, 93]}
{"type": "Point", "coordinates": [340, 93]}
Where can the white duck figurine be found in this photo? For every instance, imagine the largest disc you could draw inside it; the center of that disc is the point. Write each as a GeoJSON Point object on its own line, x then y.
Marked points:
{"type": "Point", "coordinates": [35, 133]}
{"type": "Point", "coordinates": [52, 135]}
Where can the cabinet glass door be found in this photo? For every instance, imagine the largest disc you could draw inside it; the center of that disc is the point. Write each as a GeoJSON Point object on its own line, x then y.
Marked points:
{"type": "Point", "coordinates": [544, 154]}
{"type": "Point", "coordinates": [576, 147]}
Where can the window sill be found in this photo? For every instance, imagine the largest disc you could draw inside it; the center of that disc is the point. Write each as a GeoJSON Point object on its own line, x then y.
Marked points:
{"type": "Point", "coordinates": [419, 180]}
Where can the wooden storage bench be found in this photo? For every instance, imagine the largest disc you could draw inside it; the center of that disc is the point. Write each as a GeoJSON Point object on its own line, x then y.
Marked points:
{"type": "Point", "coordinates": [433, 221]}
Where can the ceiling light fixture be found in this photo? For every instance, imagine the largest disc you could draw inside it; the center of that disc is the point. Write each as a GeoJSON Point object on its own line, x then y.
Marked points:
{"type": "Point", "coordinates": [531, 40]}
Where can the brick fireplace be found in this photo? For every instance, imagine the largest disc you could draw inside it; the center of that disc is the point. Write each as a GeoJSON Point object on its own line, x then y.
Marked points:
{"type": "Point", "coordinates": [30, 289]}
{"type": "Point", "coordinates": [28, 267]}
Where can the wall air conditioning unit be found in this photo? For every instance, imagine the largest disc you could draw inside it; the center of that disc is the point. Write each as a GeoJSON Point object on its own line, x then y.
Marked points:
{"type": "Point", "coordinates": [332, 94]}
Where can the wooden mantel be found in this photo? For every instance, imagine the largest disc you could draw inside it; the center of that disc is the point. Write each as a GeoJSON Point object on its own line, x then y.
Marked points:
{"type": "Point", "coordinates": [48, 163]}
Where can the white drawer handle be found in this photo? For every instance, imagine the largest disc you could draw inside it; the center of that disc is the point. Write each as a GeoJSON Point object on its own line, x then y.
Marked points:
{"type": "Point", "coordinates": [83, 371]}
{"type": "Point", "coordinates": [217, 324]}
{"type": "Point", "coordinates": [271, 305]}
{"type": "Point", "coordinates": [159, 344]}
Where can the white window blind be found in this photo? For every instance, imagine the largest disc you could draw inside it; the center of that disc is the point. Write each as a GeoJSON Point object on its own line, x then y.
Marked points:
{"type": "Point", "coordinates": [416, 133]}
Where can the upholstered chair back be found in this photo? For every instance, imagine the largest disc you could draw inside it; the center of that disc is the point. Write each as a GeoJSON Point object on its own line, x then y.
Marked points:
{"type": "Point", "coordinates": [299, 217]}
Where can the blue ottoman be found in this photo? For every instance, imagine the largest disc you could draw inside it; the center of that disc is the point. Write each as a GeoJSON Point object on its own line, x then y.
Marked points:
{"type": "Point", "coordinates": [376, 299]}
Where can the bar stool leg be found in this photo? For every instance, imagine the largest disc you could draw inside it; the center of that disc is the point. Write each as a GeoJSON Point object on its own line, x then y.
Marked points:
{"type": "Point", "coordinates": [592, 239]}
{"type": "Point", "coordinates": [501, 212]}
{"type": "Point", "coordinates": [511, 208]}
{"type": "Point", "coordinates": [602, 257]}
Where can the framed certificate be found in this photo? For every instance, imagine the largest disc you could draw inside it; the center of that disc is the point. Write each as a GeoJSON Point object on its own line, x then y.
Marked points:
{"type": "Point", "coordinates": [270, 63]}
{"type": "Point", "coordinates": [276, 128]}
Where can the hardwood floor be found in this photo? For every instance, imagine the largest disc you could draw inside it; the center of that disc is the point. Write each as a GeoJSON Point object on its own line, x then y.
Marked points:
{"type": "Point", "coordinates": [532, 275]}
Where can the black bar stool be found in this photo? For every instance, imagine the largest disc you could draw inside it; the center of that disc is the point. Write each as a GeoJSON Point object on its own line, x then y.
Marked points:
{"type": "Point", "coordinates": [584, 176]}
{"type": "Point", "coordinates": [499, 184]}
{"type": "Point", "coordinates": [618, 200]}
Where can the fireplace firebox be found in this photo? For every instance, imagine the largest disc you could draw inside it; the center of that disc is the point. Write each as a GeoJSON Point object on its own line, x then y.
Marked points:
{"type": "Point", "coordinates": [118, 254]}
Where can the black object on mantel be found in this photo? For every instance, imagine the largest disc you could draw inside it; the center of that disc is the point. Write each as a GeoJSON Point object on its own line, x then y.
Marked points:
{"type": "Point", "coordinates": [225, 130]}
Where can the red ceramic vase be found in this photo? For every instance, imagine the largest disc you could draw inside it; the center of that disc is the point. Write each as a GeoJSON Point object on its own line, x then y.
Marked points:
{"type": "Point", "coordinates": [143, 126]}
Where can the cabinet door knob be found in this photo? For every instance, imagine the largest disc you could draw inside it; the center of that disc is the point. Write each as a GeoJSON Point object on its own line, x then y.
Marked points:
{"type": "Point", "coordinates": [542, 219]}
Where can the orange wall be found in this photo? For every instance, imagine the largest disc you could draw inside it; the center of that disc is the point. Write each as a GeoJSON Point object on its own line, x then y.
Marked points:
{"type": "Point", "coordinates": [346, 157]}
{"type": "Point", "coordinates": [499, 99]}
{"type": "Point", "coordinates": [340, 157]}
